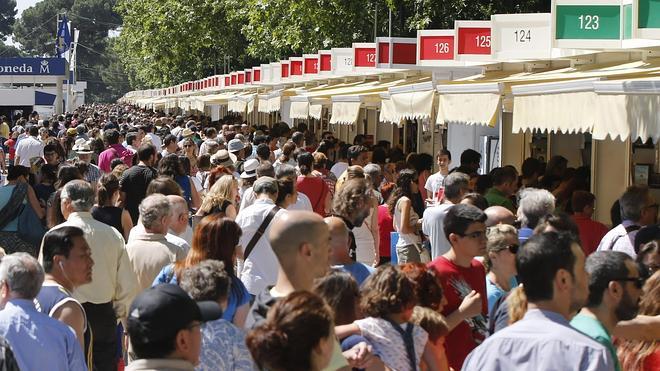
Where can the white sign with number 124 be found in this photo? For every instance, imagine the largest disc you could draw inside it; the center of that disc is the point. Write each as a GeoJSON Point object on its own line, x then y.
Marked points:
{"type": "Point", "coordinates": [521, 36]}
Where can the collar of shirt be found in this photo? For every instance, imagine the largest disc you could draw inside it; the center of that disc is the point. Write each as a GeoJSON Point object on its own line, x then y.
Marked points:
{"type": "Point", "coordinates": [540, 315]}
{"type": "Point", "coordinates": [84, 215]}
{"type": "Point", "coordinates": [26, 305]}
{"type": "Point", "coordinates": [264, 201]}
{"type": "Point", "coordinates": [161, 364]}
{"type": "Point", "coordinates": [148, 236]}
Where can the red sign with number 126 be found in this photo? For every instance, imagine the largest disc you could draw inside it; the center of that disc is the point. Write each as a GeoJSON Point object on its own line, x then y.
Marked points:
{"type": "Point", "coordinates": [474, 40]}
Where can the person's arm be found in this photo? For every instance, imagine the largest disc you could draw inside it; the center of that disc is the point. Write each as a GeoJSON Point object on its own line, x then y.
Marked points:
{"type": "Point", "coordinates": [470, 307]}
{"type": "Point", "coordinates": [343, 331]}
{"type": "Point", "coordinates": [241, 315]}
{"type": "Point", "coordinates": [375, 233]}
{"type": "Point", "coordinates": [126, 223]}
{"type": "Point", "coordinates": [126, 286]}
{"type": "Point", "coordinates": [17, 159]}
{"type": "Point", "coordinates": [230, 212]}
{"type": "Point", "coordinates": [405, 227]}
{"type": "Point", "coordinates": [122, 199]}
{"type": "Point", "coordinates": [196, 201]}
{"type": "Point", "coordinates": [34, 203]}
{"type": "Point", "coordinates": [71, 314]}
{"type": "Point", "coordinates": [642, 328]}
{"type": "Point", "coordinates": [429, 358]}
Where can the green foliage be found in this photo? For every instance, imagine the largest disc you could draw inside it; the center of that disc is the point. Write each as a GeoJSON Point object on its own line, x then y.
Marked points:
{"type": "Point", "coordinates": [37, 27]}
{"type": "Point", "coordinates": [8, 51]}
{"type": "Point", "coordinates": [7, 17]}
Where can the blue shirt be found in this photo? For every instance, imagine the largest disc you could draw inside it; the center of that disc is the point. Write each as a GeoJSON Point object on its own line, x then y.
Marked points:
{"type": "Point", "coordinates": [524, 234]}
{"type": "Point", "coordinates": [223, 348]}
{"type": "Point", "coordinates": [238, 294]}
{"type": "Point", "coordinates": [359, 271]}
{"type": "Point", "coordinates": [38, 341]}
{"type": "Point", "coordinates": [542, 340]}
{"type": "Point", "coordinates": [494, 292]}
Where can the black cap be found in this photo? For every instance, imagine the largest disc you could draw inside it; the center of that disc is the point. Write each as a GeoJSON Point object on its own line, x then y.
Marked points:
{"type": "Point", "coordinates": [159, 312]}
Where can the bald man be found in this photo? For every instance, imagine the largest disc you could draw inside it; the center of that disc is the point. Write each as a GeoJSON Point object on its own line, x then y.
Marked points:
{"type": "Point", "coordinates": [300, 240]}
{"type": "Point", "coordinates": [339, 246]}
{"type": "Point", "coordinates": [499, 215]}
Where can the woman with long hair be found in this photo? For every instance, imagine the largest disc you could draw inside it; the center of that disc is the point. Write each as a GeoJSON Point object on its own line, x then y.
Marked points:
{"type": "Point", "coordinates": [638, 355]}
{"type": "Point", "coordinates": [406, 221]}
{"type": "Point", "coordinates": [287, 155]}
{"type": "Point", "coordinates": [54, 215]}
{"type": "Point", "coordinates": [221, 198]}
{"type": "Point", "coordinates": [172, 167]}
{"type": "Point", "coordinates": [500, 262]}
{"type": "Point", "coordinates": [216, 238]}
{"type": "Point", "coordinates": [106, 211]}
{"type": "Point", "coordinates": [314, 187]}
{"type": "Point", "coordinates": [191, 151]}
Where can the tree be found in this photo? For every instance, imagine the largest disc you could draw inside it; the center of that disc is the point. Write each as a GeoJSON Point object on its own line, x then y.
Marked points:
{"type": "Point", "coordinates": [7, 17]}
{"type": "Point", "coordinates": [165, 42]}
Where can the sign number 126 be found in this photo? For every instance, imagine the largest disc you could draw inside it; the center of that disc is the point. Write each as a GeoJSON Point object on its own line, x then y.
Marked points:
{"type": "Point", "coordinates": [589, 22]}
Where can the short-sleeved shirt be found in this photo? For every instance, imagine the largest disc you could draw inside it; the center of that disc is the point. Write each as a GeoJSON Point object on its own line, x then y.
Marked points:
{"type": "Point", "coordinates": [494, 292]}
{"type": "Point", "coordinates": [316, 190]}
{"type": "Point", "coordinates": [457, 282]}
{"type": "Point", "coordinates": [434, 183]}
{"type": "Point", "coordinates": [495, 197]}
{"type": "Point", "coordinates": [591, 233]}
{"type": "Point", "coordinates": [433, 227]}
{"type": "Point", "coordinates": [134, 183]}
{"type": "Point", "coordinates": [594, 329]}
{"type": "Point", "coordinates": [359, 271]}
{"type": "Point", "coordinates": [387, 341]}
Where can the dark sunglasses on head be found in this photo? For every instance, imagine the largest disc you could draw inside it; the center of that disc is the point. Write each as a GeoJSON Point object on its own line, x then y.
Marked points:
{"type": "Point", "coordinates": [637, 281]}
{"type": "Point", "coordinates": [513, 248]}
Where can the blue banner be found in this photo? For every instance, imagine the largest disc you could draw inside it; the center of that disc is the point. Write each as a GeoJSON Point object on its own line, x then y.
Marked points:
{"type": "Point", "coordinates": [33, 66]}
{"type": "Point", "coordinates": [63, 40]}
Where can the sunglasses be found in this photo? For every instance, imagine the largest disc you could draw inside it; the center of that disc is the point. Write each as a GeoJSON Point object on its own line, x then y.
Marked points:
{"type": "Point", "coordinates": [187, 145]}
{"type": "Point", "coordinates": [513, 248]}
{"type": "Point", "coordinates": [637, 281]}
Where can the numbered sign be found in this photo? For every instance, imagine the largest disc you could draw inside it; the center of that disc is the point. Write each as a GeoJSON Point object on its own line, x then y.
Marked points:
{"type": "Point", "coordinates": [233, 78]}
{"type": "Point", "coordinates": [285, 65]}
{"type": "Point", "coordinates": [296, 66]}
{"type": "Point", "coordinates": [592, 24]}
{"type": "Point", "coordinates": [256, 74]}
{"type": "Point", "coordinates": [311, 64]}
{"type": "Point", "coordinates": [241, 78]}
{"type": "Point", "coordinates": [646, 19]}
{"type": "Point", "coordinates": [248, 76]}
{"type": "Point", "coordinates": [364, 55]}
{"type": "Point", "coordinates": [342, 61]}
{"type": "Point", "coordinates": [396, 52]}
{"type": "Point", "coordinates": [227, 81]}
{"type": "Point", "coordinates": [435, 47]}
{"type": "Point", "coordinates": [473, 40]}
{"type": "Point", "coordinates": [325, 62]}
{"type": "Point", "coordinates": [521, 36]}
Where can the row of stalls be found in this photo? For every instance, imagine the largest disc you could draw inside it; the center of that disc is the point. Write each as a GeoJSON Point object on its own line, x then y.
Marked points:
{"type": "Point", "coordinates": [594, 101]}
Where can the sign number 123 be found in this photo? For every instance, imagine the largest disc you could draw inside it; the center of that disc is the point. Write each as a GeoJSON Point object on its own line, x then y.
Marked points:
{"type": "Point", "coordinates": [589, 22]}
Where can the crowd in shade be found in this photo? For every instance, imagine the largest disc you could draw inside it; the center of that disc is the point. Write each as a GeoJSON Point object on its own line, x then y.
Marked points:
{"type": "Point", "coordinates": [140, 240]}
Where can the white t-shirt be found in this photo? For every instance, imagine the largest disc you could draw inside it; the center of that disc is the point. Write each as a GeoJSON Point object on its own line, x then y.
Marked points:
{"type": "Point", "coordinates": [155, 140]}
{"type": "Point", "coordinates": [27, 149]}
{"type": "Point", "coordinates": [433, 227]}
{"type": "Point", "coordinates": [302, 203]}
{"type": "Point", "coordinates": [339, 168]}
{"type": "Point", "coordinates": [388, 342]}
{"type": "Point", "coordinates": [434, 183]}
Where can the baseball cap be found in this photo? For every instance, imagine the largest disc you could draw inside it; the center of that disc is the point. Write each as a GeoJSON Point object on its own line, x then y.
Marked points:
{"type": "Point", "coordinates": [159, 312]}
{"type": "Point", "coordinates": [265, 183]}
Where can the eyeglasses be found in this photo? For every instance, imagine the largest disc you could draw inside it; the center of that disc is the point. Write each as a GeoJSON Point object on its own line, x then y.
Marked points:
{"type": "Point", "coordinates": [637, 281]}
{"type": "Point", "coordinates": [478, 235]}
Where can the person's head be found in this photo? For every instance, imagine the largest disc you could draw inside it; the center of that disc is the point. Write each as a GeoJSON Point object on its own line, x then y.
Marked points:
{"type": "Point", "coordinates": [147, 154]}
{"type": "Point", "coordinates": [21, 277]}
{"type": "Point", "coordinates": [111, 137]}
{"type": "Point", "coordinates": [471, 160]}
{"type": "Point", "coordinates": [406, 186]}
{"type": "Point", "coordinates": [358, 155]}
{"type": "Point", "coordinates": [296, 336]}
{"type": "Point", "coordinates": [18, 172]}
{"type": "Point", "coordinates": [456, 186]}
{"type": "Point", "coordinates": [375, 174]}
{"type": "Point", "coordinates": [51, 154]}
{"type": "Point", "coordinates": [263, 152]}
{"type": "Point", "coordinates": [76, 196]}
{"type": "Point", "coordinates": [155, 213]}
{"type": "Point", "coordinates": [67, 173]}
{"type": "Point", "coordinates": [207, 281]}
{"type": "Point", "coordinates": [217, 238]}
{"type": "Point", "coordinates": [534, 204]}
{"type": "Point", "coordinates": [265, 169]}
{"type": "Point", "coordinates": [131, 139]}
{"type": "Point", "coordinates": [179, 208]}
{"type": "Point", "coordinates": [443, 159]}
{"type": "Point", "coordinates": [531, 168]}
{"type": "Point", "coordinates": [156, 333]}
{"type": "Point", "coordinates": [505, 179]}
{"type": "Point", "coordinates": [353, 201]}
{"type": "Point", "coordinates": [33, 130]}
{"type": "Point", "coordinates": [298, 139]}
{"type": "Point", "coordinates": [266, 187]}
{"type": "Point", "coordinates": [67, 256]}
{"type": "Point", "coordinates": [427, 285]}
{"type": "Point", "coordinates": [339, 240]}
{"type": "Point", "coordinates": [614, 283]}
{"type": "Point", "coordinates": [287, 194]}
{"type": "Point", "coordinates": [501, 249]}
{"type": "Point", "coordinates": [499, 215]}
{"type": "Point", "coordinates": [320, 160]}
{"type": "Point", "coordinates": [465, 229]}
{"type": "Point", "coordinates": [305, 163]}
{"type": "Point", "coordinates": [170, 143]}
{"type": "Point", "coordinates": [189, 147]}
{"type": "Point", "coordinates": [388, 291]}
{"type": "Point", "coordinates": [165, 186]}
{"type": "Point", "coordinates": [556, 166]}
{"type": "Point", "coordinates": [475, 199]}
{"type": "Point", "coordinates": [551, 268]}
{"type": "Point", "coordinates": [559, 222]}
{"type": "Point", "coordinates": [582, 203]}
{"type": "Point", "coordinates": [340, 290]}
{"type": "Point", "coordinates": [300, 241]}
{"type": "Point", "coordinates": [107, 190]}
{"type": "Point", "coordinates": [224, 189]}
{"type": "Point", "coordinates": [171, 166]}
{"type": "Point", "coordinates": [637, 205]}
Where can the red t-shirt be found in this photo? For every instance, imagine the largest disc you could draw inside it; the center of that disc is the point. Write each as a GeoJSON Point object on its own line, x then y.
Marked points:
{"type": "Point", "coordinates": [316, 189]}
{"type": "Point", "coordinates": [458, 282]}
{"type": "Point", "coordinates": [385, 227]}
{"type": "Point", "coordinates": [11, 145]}
{"type": "Point", "coordinates": [591, 232]}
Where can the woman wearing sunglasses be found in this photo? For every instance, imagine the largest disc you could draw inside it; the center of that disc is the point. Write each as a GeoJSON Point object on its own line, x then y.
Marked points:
{"type": "Point", "coordinates": [500, 261]}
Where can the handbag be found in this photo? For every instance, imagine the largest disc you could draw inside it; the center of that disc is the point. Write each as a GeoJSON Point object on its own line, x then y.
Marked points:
{"type": "Point", "coordinates": [30, 228]}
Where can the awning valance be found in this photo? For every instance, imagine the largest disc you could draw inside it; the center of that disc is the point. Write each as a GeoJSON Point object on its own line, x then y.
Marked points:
{"type": "Point", "coordinates": [470, 104]}
{"type": "Point", "coordinates": [315, 111]}
{"type": "Point", "coordinates": [299, 110]}
{"type": "Point", "coordinates": [412, 105]}
{"type": "Point", "coordinates": [345, 111]}
{"type": "Point", "coordinates": [387, 111]}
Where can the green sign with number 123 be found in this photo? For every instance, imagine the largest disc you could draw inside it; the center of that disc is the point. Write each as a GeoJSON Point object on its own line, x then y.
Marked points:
{"type": "Point", "coordinates": [597, 22]}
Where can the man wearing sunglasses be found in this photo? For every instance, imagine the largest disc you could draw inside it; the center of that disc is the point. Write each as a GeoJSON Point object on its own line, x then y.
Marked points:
{"type": "Point", "coordinates": [615, 287]}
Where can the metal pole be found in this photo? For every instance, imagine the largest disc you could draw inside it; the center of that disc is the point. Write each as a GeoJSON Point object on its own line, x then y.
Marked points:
{"type": "Point", "coordinates": [375, 20]}
{"type": "Point", "coordinates": [389, 33]}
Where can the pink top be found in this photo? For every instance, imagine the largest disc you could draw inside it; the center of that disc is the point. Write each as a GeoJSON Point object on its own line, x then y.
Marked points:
{"type": "Point", "coordinates": [113, 152]}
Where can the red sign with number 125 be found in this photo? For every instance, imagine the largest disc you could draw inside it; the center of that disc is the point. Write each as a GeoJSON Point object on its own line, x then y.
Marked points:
{"type": "Point", "coordinates": [473, 40]}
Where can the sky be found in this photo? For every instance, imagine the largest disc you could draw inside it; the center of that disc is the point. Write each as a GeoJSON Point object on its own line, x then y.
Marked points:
{"type": "Point", "coordinates": [21, 5]}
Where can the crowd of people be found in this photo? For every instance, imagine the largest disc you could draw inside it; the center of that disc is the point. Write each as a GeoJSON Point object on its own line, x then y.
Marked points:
{"type": "Point", "coordinates": [147, 241]}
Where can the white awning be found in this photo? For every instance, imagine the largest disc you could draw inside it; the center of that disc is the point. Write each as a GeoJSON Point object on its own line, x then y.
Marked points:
{"type": "Point", "coordinates": [387, 111]}
{"type": "Point", "coordinates": [470, 104]}
{"type": "Point", "coordinates": [413, 105]}
{"type": "Point", "coordinates": [345, 110]}
{"type": "Point", "coordinates": [315, 111]}
{"type": "Point", "coordinates": [565, 107]}
{"type": "Point", "coordinates": [299, 109]}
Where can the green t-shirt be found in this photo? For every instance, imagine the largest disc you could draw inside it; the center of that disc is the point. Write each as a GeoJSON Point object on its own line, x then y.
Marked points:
{"type": "Point", "coordinates": [496, 198]}
{"type": "Point", "coordinates": [594, 329]}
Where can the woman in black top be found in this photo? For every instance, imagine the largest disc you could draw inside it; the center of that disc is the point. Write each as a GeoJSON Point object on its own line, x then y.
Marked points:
{"type": "Point", "coordinates": [105, 211]}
